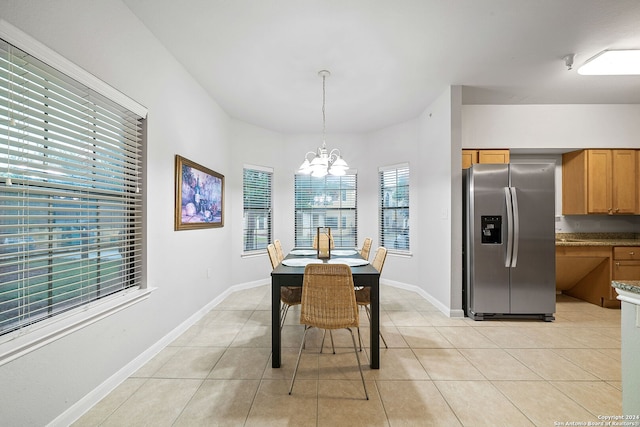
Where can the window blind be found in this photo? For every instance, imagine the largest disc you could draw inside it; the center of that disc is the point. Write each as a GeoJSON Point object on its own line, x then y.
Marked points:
{"type": "Point", "coordinates": [330, 201]}
{"type": "Point", "coordinates": [70, 193]}
{"type": "Point", "coordinates": [256, 190]}
{"type": "Point", "coordinates": [394, 207]}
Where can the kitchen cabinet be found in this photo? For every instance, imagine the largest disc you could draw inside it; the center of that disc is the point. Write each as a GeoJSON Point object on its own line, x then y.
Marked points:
{"type": "Point", "coordinates": [626, 263]}
{"type": "Point", "coordinates": [470, 157]}
{"type": "Point", "coordinates": [600, 182]}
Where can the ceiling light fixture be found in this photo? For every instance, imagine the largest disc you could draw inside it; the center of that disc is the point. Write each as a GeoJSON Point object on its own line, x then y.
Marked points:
{"type": "Point", "coordinates": [323, 162]}
{"type": "Point", "coordinates": [612, 63]}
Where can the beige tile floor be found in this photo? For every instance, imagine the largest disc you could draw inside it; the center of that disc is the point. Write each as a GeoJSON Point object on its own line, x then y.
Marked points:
{"type": "Point", "coordinates": [437, 371]}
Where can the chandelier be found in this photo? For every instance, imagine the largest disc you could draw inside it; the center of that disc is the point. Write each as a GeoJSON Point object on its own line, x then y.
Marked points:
{"type": "Point", "coordinates": [323, 161]}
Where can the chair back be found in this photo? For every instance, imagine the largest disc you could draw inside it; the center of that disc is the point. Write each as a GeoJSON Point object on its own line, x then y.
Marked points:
{"type": "Point", "coordinates": [279, 251]}
{"type": "Point", "coordinates": [315, 242]}
{"type": "Point", "coordinates": [366, 248]}
{"type": "Point", "coordinates": [328, 297]}
{"type": "Point", "coordinates": [378, 259]}
{"type": "Point", "coordinates": [273, 255]}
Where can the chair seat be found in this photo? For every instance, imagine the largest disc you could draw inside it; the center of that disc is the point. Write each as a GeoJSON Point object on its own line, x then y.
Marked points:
{"type": "Point", "coordinates": [291, 295]}
{"type": "Point", "coordinates": [363, 296]}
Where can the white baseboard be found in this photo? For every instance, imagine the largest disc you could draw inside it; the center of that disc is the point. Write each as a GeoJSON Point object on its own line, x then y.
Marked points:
{"type": "Point", "coordinates": [424, 294]}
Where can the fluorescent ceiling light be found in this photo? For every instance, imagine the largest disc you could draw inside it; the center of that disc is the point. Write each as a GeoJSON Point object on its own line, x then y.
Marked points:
{"type": "Point", "coordinates": [612, 62]}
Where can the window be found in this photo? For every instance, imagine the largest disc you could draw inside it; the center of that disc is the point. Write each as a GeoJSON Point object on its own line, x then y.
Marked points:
{"type": "Point", "coordinates": [326, 202]}
{"type": "Point", "coordinates": [394, 207]}
{"type": "Point", "coordinates": [256, 190]}
{"type": "Point", "coordinates": [70, 192]}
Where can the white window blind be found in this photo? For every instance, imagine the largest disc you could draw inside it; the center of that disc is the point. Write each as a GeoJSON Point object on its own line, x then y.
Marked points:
{"type": "Point", "coordinates": [256, 190]}
{"type": "Point", "coordinates": [330, 201]}
{"type": "Point", "coordinates": [394, 207]}
{"type": "Point", "coordinates": [70, 193]}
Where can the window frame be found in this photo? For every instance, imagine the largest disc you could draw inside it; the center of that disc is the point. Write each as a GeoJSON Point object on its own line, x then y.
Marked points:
{"type": "Point", "coordinates": [346, 210]}
{"type": "Point", "coordinates": [269, 220]}
{"type": "Point", "coordinates": [32, 336]}
{"type": "Point", "coordinates": [401, 170]}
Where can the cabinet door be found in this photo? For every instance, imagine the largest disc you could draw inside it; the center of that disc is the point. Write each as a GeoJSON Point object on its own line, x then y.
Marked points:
{"type": "Point", "coordinates": [599, 181]}
{"type": "Point", "coordinates": [624, 181]}
{"type": "Point", "coordinates": [469, 157]}
{"type": "Point", "coordinates": [574, 183]}
{"type": "Point", "coordinates": [626, 270]}
{"type": "Point", "coordinates": [493, 156]}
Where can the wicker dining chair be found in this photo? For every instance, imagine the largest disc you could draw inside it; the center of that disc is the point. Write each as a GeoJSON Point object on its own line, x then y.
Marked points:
{"type": "Point", "coordinates": [289, 295]}
{"type": "Point", "coordinates": [363, 295]}
{"type": "Point", "coordinates": [279, 251]}
{"type": "Point", "coordinates": [366, 248]}
{"type": "Point", "coordinates": [315, 242]}
{"type": "Point", "coordinates": [328, 302]}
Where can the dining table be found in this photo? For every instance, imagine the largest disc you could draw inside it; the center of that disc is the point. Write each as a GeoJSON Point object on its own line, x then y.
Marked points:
{"type": "Point", "coordinates": [290, 272]}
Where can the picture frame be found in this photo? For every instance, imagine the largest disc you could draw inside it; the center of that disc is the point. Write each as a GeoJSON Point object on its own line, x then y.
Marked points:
{"type": "Point", "coordinates": [199, 196]}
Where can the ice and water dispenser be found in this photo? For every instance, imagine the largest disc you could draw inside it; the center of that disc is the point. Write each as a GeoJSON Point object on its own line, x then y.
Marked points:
{"type": "Point", "coordinates": [491, 229]}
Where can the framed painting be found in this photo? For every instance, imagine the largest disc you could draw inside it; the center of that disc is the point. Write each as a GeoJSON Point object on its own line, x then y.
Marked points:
{"type": "Point", "coordinates": [199, 196]}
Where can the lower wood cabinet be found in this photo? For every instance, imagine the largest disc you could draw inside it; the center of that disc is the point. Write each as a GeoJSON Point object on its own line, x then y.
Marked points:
{"type": "Point", "coordinates": [586, 272]}
{"type": "Point", "coordinates": [626, 263]}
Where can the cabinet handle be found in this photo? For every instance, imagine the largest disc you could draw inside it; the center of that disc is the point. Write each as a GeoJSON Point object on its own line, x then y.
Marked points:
{"type": "Point", "coordinates": [632, 253]}
{"type": "Point", "coordinates": [617, 264]}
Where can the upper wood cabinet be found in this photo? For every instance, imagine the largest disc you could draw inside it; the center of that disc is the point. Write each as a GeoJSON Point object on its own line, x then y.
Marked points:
{"type": "Point", "coordinates": [600, 182]}
{"type": "Point", "coordinates": [470, 157]}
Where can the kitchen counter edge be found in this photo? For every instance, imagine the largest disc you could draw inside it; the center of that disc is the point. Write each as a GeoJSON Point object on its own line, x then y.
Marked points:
{"type": "Point", "coordinates": [597, 239]}
{"type": "Point", "coordinates": [628, 290]}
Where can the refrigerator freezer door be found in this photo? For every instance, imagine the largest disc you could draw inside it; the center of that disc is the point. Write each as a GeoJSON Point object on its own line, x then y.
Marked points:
{"type": "Point", "coordinates": [533, 278]}
{"type": "Point", "coordinates": [487, 276]}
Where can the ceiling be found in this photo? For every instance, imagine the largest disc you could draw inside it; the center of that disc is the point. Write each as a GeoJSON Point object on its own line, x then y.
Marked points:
{"type": "Point", "coordinates": [390, 59]}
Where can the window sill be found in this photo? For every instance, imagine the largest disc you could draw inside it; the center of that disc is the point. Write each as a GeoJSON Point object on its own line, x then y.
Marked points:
{"type": "Point", "coordinates": [16, 344]}
{"type": "Point", "coordinates": [253, 254]}
{"type": "Point", "coordinates": [400, 254]}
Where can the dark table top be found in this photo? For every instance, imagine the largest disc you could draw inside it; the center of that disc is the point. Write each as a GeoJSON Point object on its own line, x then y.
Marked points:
{"type": "Point", "coordinates": [282, 269]}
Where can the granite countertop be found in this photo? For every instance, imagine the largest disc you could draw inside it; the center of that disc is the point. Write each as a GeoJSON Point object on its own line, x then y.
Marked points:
{"type": "Point", "coordinates": [597, 239]}
{"type": "Point", "coordinates": [627, 285]}
{"type": "Point", "coordinates": [627, 290]}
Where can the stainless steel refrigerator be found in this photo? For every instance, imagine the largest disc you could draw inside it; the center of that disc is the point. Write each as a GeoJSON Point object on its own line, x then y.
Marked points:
{"type": "Point", "coordinates": [509, 241]}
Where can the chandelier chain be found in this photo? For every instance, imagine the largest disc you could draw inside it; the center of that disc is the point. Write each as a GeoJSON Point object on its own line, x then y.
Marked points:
{"type": "Point", "coordinates": [324, 118]}
{"type": "Point", "coordinates": [323, 161]}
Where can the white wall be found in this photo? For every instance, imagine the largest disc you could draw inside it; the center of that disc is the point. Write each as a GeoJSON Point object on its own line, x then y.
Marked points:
{"type": "Point", "coordinates": [106, 39]}
{"type": "Point", "coordinates": [551, 126]}
{"type": "Point", "coordinates": [440, 202]}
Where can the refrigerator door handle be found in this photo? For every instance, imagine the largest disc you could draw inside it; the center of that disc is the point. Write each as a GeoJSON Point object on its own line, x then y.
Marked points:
{"type": "Point", "coordinates": [508, 257]}
{"type": "Point", "coordinates": [516, 226]}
